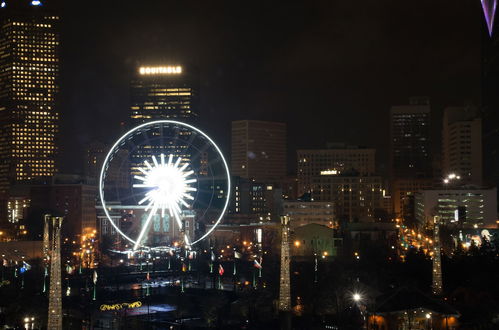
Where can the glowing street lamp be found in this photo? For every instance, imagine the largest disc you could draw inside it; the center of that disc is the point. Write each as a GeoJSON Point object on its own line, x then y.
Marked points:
{"type": "Point", "coordinates": [451, 177]}
{"type": "Point", "coordinates": [29, 323]}
{"type": "Point", "coordinates": [357, 297]}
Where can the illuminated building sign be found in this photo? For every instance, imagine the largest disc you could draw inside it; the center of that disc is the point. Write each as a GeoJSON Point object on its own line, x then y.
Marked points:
{"type": "Point", "coordinates": [150, 70]}
{"type": "Point", "coordinates": [329, 172]}
{"type": "Point", "coordinates": [117, 307]}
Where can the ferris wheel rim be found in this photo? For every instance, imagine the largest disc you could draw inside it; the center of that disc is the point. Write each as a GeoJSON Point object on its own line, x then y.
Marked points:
{"type": "Point", "coordinates": [151, 123]}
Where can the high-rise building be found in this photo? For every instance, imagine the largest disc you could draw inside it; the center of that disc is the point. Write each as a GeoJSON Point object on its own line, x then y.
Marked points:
{"type": "Point", "coordinates": [462, 144]}
{"type": "Point", "coordinates": [29, 69]}
{"type": "Point", "coordinates": [259, 150]}
{"type": "Point", "coordinates": [410, 154]}
{"type": "Point", "coordinates": [338, 158]}
{"type": "Point", "coordinates": [490, 105]}
{"type": "Point", "coordinates": [163, 92]}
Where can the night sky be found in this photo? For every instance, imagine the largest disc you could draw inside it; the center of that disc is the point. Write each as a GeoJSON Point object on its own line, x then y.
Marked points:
{"type": "Point", "coordinates": [329, 69]}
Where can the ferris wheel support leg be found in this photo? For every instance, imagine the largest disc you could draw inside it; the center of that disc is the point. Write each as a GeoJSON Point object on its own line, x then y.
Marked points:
{"type": "Point", "coordinates": [145, 226]}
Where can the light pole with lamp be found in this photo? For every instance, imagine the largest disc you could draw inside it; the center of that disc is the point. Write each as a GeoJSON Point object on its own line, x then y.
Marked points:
{"type": "Point", "coordinates": [357, 298]}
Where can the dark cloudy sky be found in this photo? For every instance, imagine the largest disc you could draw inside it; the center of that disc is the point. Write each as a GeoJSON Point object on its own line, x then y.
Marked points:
{"type": "Point", "coordinates": [329, 69]}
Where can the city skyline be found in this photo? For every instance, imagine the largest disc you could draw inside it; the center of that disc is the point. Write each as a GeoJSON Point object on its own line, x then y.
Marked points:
{"type": "Point", "coordinates": [229, 165]}
{"type": "Point", "coordinates": [266, 69]}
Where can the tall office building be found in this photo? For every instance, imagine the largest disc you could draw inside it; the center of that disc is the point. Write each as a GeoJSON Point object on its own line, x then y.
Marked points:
{"type": "Point", "coordinates": [490, 106]}
{"type": "Point", "coordinates": [29, 68]}
{"type": "Point", "coordinates": [462, 144]}
{"type": "Point", "coordinates": [163, 92]}
{"type": "Point", "coordinates": [410, 154]}
{"type": "Point", "coordinates": [259, 150]}
{"type": "Point", "coordinates": [337, 159]}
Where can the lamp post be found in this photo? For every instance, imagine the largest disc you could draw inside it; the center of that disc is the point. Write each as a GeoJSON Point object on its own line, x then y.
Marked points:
{"type": "Point", "coordinates": [428, 321]}
{"type": "Point", "coordinates": [357, 299]}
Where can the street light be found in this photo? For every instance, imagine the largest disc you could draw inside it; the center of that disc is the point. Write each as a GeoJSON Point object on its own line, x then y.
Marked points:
{"type": "Point", "coordinates": [29, 322]}
{"type": "Point", "coordinates": [451, 177]}
{"type": "Point", "coordinates": [357, 297]}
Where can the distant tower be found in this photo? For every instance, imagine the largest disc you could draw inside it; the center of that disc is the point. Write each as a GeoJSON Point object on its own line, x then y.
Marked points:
{"type": "Point", "coordinates": [46, 237]}
{"type": "Point", "coordinates": [285, 287]}
{"type": "Point", "coordinates": [437, 260]}
{"type": "Point", "coordinates": [55, 293]}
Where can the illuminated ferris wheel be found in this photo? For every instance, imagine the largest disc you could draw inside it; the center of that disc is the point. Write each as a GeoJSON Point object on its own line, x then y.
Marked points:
{"type": "Point", "coordinates": [162, 184]}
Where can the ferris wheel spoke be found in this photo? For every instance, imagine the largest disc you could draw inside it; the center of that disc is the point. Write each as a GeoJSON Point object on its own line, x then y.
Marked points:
{"type": "Point", "coordinates": [177, 218]}
{"type": "Point", "coordinates": [181, 169]}
{"type": "Point", "coordinates": [145, 227]}
{"type": "Point", "coordinates": [155, 161]}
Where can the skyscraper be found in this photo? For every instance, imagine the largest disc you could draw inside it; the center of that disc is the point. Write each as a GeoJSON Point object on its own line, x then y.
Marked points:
{"type": "Point", "coordinates": [490, 106]}
{"type": "Point", "coordinates": [410, 158]}
{"type": "Point", "coordinates": [29, 67]}
{"type": "Point", "coordinates": [462, 144]}
{"type": "Point", "coordinates": [158, 93]}
{"type": "Point", "coordinates": [410, 139]}
{"type": "Point", "coordinates": [259, 150]}
{"type": "Point", "coordinates": [164, 92]}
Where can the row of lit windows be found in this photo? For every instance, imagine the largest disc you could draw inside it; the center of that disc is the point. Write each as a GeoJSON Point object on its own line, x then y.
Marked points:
{"type": "Point", "coordinates": [24, 135]}
{"type": "Point", "coordinates": [40, 59]}
{"type": "Point", "coordinates": [36, 24]}
{"type": "Point", "coordinates": [33, 67]}
{"type": "Point", "coordinates": [46, 99]}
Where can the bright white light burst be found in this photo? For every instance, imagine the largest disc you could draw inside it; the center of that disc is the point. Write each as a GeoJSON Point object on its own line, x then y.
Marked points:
{"type": "Point", "coordinates": [169, 189]}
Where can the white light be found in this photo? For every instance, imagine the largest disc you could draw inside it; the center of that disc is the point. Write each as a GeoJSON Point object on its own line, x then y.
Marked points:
{"type": "Point", "coordinates": [356, 297]}
{"type": "Point", "coordinates": [428, 316]}
{"type": "Point", "coordinates": [36, 2]}
{"type": "Point", "coordinates": [329, 172]}
{"type": "Point", "coordinates": [169, 189]}
{"type": "Point", "coordinates": [106, 209]}
{"type": "Point", "coordinates": [3, 4]}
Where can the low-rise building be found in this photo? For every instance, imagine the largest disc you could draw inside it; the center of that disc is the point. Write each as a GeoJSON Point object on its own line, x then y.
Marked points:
{"type": "Point", "coordinates": [303, 213]}
{"type": "Point", "coordinates": [466, 206]}
{"type": "Point", "coordinates": [313, 240]}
